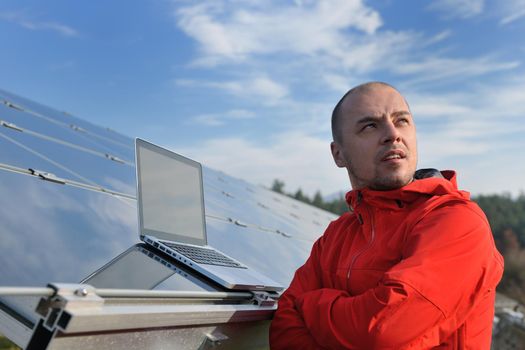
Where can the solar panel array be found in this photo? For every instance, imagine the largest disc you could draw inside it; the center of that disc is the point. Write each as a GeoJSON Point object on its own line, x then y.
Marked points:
{"type": "Point", "coordinates": [67, 206]}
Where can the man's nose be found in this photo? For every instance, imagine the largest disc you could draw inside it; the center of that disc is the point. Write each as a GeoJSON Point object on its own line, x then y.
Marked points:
{"type": "Point", "coordinates": [390, 133]}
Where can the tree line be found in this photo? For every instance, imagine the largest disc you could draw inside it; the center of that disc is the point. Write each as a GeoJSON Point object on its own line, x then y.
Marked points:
{"type": "Point", "coordinates": [506, 215]}
{"type": "Point", "coordinates": [337, 206]}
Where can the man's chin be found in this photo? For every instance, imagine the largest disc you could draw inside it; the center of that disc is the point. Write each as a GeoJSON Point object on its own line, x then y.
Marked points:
{"type": "Point", "coordinates": [391, 183]}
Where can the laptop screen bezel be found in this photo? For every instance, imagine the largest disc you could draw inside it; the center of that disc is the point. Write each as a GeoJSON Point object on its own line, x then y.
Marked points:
{"type": "Point", "coordinates": [161, 235]}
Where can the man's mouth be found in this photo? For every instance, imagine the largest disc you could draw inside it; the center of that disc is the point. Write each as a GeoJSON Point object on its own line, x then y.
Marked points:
{"type": "Point", "coordinates": [397, 154]}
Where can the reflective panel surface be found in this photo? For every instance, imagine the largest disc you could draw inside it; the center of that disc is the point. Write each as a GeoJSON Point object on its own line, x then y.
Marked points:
{"type": "Point", "coordinates": [141, 267]}
{"type": "Point", "coordinates": [54, 232]}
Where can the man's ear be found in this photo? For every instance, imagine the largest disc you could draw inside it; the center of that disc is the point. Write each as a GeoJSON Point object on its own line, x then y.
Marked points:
{"type": "Point", "coordinates": [337, 154]}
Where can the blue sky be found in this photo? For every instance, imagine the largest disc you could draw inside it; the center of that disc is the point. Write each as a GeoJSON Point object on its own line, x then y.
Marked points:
{"type": "Point", "coordinates": [248, 86]}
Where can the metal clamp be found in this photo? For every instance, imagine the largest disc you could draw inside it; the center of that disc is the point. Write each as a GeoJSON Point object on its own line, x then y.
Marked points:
{"type": "Point", "coordinates": [115, 158]}
{"type": "Point", "coordinates": [12, 105]}
{"type": "Point", "coordinates": [237, 222]}
{"type": "Point", "coordinates": [76, 127]}
{"type": "Point", "coordinates": [54, 316]}
{"type": "Point", "coordinates": [47, 176]}
{"type": "Point", "coordinates": [263, 299]}
{"type": "Point", "coordinates": [284, 234]}
{"type": "Point", "coordinates": [10, 125]}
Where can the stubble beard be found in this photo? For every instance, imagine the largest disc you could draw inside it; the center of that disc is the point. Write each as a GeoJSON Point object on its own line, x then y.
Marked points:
{"type": "Point", "coordinates": [390, 182]}
{"type": "Point", "coordinates": [380, 182]}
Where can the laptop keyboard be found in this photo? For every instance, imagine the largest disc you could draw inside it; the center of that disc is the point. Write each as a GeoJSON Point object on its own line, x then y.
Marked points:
{"type": "Point", "coordinates": [203, 255]}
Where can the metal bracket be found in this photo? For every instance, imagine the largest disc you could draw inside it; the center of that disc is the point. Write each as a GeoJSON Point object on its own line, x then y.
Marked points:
{"type": "Point", "coordinates": [10, 126]}
{"type": "Point", "coordinates": [227, 194]}
{"type": "Point", "coordinates": [212, 340]}
{"type": "Point", "coordinates": [284, 234]}
{"type": "Point", "coordinates": [54, 316]}
{"type": "Point", "coordinates": [114, 158]}
{"type": "Point", "coordinates": [237, 222]}
{"type": "Point", "coordinates": [76, 127]}
{"type": "Point", "coordinates": [12, 105]}
{"type": "Point", "coordinates": [47, 176]}
{"type": "Point", "coordinates": [263, 299]}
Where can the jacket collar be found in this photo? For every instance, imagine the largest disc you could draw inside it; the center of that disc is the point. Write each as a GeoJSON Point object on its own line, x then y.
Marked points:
{"type": "Point", "coordinates": [398, 198]}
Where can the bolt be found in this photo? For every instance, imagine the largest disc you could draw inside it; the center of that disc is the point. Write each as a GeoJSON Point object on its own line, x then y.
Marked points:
{"type": "Point", "coordinates": [81, 292]}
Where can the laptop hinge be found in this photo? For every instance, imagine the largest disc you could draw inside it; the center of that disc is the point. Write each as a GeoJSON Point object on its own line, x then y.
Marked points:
{"type": "Point", "coordinates": [54, 317]}
{"type": "Point", "coordinates": [264, 298]}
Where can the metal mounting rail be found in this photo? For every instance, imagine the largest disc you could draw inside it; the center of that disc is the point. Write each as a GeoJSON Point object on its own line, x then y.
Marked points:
{"type": "Point", "coordinates": [125, 293]}
{"type": "Point", "coordinates": [63, 124]}
{"type": "Point", "coordinates": [77, 310]}
{"type": "Point", "coordinates": [63, 181]}
{"type": "Point", "coordinates": [104, 155]}
{"type": "Point", "coordinates": [53, 178]}
{"type": "Point", "coordinates": [26, 291]}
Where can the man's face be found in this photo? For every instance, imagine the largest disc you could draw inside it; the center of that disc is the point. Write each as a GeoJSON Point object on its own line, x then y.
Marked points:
{"type": "Point", "coordinates": [378, 139]}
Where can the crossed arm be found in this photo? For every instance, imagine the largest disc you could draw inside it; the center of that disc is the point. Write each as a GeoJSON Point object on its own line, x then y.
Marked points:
{"type": "Point", "coordinates": [449, 264]}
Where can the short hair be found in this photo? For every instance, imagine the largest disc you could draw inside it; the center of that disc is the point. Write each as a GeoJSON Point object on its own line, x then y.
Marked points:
{"type": "Point", "coordinates": [336, 114]}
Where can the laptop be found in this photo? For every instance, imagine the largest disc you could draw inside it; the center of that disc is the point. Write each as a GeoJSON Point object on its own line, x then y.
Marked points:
{"type": "Point", "coordinates": [170, 203]}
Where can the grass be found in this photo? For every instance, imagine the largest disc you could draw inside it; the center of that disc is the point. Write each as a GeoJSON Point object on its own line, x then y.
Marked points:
{"type": "Point", "coordinates": [5, 344]}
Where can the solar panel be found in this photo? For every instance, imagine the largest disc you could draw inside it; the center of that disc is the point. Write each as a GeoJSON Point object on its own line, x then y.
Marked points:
{"type": "Point", "coordinates": [67, 208]}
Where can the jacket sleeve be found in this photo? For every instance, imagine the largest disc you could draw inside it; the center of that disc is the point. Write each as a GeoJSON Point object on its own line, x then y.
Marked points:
{"type": "Point", "coordinates": [288, 330]}
{"type": "Point", "coordinates": [449, 264]}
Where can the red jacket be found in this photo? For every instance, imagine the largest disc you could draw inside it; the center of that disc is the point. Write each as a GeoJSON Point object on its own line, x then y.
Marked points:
{"type": "Point", "coordinates": [412, 268]}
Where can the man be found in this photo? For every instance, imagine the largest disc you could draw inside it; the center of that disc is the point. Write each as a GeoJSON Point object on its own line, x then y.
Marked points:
{"type": "Point", "coordinates": [412, 265]}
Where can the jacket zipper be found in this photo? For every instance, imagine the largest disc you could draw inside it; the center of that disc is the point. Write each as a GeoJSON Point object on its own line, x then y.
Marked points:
{"type": "Point", "coordinates": [354, 258]}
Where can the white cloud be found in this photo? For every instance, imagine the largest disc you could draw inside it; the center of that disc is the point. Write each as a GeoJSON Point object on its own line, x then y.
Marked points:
{"type": "Point", "coordinates": [240, 114]}
{"type": "Point", "coordinates": [338, 82]}
{"type": "Point", "coordinates": [474, 130]}
{"type": "Point", "coordinates": [436, 68]}
{"type": "Point", "coordinates": [499, 173]}
{"type": "Point", "coordinates": [507, 11]}
{"type": "Point", "coordinates": [502, 101]}
{"type": "Point", "coordinates": [445, 34]}
{"type": "Point", "coordinates": [30, 24]}
{"type": "Point", "coordinates": [511, 10]}
{"type": "Point", "coordinates": [435, 106]}
{"type": "Point", "coordinates": [498, 104]}
{"type": "Point", "coordinates": [224, 29]}
{"type": "Point", "coordinates": [298, 159]}
{"type": "Point", "coordinates": [470, 146]}
{"type": "Point", "coordinates": [261, 87]}
{"type": "Point", "coordinates": [337, 33]}
{"type": "Point", "coordinates": [208, 120]}
{"type": "Point", "coordinates": [366, 54]}
{"type": "Point", "coordinates": [322, 42]}
{"type": "Point", "coordinates": [265, 87]}
{"type": "Point", "coordinates": [219, 119]}
{"type": "Point", "coordinates": [300, 47]}
{"type": "Point", "coordinates": [458, 8]}
{"type": "Point", "coordinates": [460, 135]}
{"type": "Point", "coordinates": [462, 124]}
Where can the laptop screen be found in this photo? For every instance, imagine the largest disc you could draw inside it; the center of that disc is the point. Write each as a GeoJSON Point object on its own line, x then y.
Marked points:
{"type": "Point", "coordinates": [170, 195]}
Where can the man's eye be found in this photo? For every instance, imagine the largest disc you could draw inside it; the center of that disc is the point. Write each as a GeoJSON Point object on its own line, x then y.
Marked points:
{"type": "Point", "coordinates": [368, 126]}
